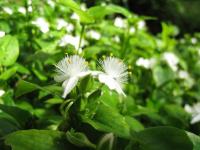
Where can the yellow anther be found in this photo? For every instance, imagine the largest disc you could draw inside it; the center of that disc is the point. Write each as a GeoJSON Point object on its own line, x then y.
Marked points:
{"type": "Point", "coordinates": [69, 61]}
{"type": "Point", "coordinates": [86, 63]}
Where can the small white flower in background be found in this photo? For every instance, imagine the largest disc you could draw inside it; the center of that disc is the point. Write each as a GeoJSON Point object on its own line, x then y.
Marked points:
{"type": "Point", "coordinates": [172, 60]}
{"type": "Point", "coordinates": [42, 24]}
{"type": "Point", "coordinates": [69, 71]}
{"type": "Point", "coordinates": [22, 10]}
{"type": "Point", "coordinates": [1, 92]}
{"type": "Point", "coordinates": [182, 41]}
{"type": "Point", "coordinates": [189, 81]}
{"type": "Point", "coordinates": [114, 75]}
{"type": "Point", "coordinates": [194, 111]}
{"type": "Point", "coordinates": [61, 23]}
{"type": "Point", "coordinates": [141, 24]}
{"type": "Point", "coordinates": [70, 27]}
{"type": "Point", "coordinates": [2, 34]}
{"type": "Point", "coordinates": [132, 30]}
{"type": "Point", "coordinates": [30, 8]}
{"type": "Point", "coordinates": [146, 63]}
{"type": "Point", "coordinates": [116, 39]}
{"type": "Point", "coordinates": [94, 34]}
{"type": "Point", "coordinates": [120, 22]}
{"type": "Point", "coordinates": [103, 4]}
{"type": "Point", "coordinates": [69, 39]}
{"type": "Point", "coordinates": [83, 7]}
{"type": "Point", "coordinates": [193, 40]}
{"type": "Point", "coordinates": [8, 10]}
{"type": "Point", "coordinates": [183, 74]}
{"type": "Point", "coordinates": [74, 16]}
{"type": "Point", "coordinates": [29, 2]}
{"type": "Point", "coordinates": [51, 3]}
{"type": "Point", "coordinates": [73, 40]}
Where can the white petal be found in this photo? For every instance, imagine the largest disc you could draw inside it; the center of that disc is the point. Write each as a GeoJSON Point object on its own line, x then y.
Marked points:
{"type": "Point", "coordinates": [69, 85]}
{"type": "Point", "coordinates": [111, 83]}
{"type": "Point", "coordinates": [195, 119]}
{"type": "Point", "coordinates": [83, 74]}
{"type": "Point", "coordinates": [60, 77]}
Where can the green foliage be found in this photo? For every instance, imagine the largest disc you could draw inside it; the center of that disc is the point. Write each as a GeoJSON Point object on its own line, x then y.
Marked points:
{"type": "Point", "coordinates": [152, 114]}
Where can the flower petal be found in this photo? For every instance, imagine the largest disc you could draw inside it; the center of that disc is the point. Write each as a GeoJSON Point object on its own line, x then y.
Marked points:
{"type": "Point", "coordinates": [83, 74]}
{"type": "Point", "coordinates": [69, 85]}
{"type": "Point", "coordinates": [60, 77]}
{"type": "Point", "coordinates": [111, 83]}
{"type": "Point", "coordinates": [195, 119]}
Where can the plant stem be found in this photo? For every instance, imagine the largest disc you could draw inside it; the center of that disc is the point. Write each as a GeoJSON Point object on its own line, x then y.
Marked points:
{"type": "Point", "coordinates": [81, 37]}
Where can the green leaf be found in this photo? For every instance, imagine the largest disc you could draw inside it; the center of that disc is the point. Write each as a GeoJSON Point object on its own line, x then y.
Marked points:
{"type": "Point", "coordinates": [134, 124]}
{"type": "Point", "coordinates": [99, 12]}
{"type": "Point", "coordinates": [79, 139]}
{"type": "Point", "coordinates": [84, 16]}
{"type": "Point", "coordinates": [108, 119]}
{"type": "Point", "coordinates": [38, 140]}
{"type": "Point", "coordinates": [20, 115]}
{"type": "Point", "coordinates": [162, 75]}
{"type": "Point", "coordinates": [9, 50]}
{"type": "Point", "coordinates": [175, 115]}
{"type": "Point", "coordinates": [54, 101]}
{"type": "Point", "coordinates": [8, 73]}
{"type": "Point", "coordinates": [166, 138]}
{"type": "Point", "coordinates": [24, 87]}
{"type": "Point", "coordinates": [195, 140]}
{"type": "Point", "coordinates": [8, 124]}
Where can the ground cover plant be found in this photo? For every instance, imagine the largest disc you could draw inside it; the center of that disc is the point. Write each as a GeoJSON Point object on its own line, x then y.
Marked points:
{"type": "Point", "coordinates": [73, 77]}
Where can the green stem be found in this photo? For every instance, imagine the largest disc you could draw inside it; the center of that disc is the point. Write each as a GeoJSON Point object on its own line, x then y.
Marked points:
{"type": "Point", "coordinates": [125, 40]}
{"type": "Point", "coordinates": [81, 37]}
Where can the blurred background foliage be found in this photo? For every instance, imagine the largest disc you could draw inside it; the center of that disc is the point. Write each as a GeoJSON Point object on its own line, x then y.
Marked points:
{"type": "Point", "coordinates": [183, 13]}
{"type": "Point", "coordinates": [163, 70]}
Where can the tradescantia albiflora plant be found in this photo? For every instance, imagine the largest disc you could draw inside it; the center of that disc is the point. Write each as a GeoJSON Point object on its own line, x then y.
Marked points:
{"type": "Point", "coordinates": [71, 68]}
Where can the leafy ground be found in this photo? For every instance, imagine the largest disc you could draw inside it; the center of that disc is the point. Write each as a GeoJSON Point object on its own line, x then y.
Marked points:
{"type": "Point", "coordinates": [156, 109]}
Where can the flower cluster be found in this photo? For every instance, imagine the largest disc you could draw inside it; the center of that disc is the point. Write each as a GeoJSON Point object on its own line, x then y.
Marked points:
{"type": "Point", "coordinates": [71, 68]}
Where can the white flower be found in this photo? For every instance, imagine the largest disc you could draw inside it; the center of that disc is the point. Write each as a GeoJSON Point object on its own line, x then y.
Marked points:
{"type": "Point", "coordinates": [42, 24]}
{"type": "Point", "coordinates": [1, 92]}
{"type": "Point", "coordinates": [114, 75]}
{"type": "Point", "coordinates": [116, 39]}
{"type": "Point", "coordinates": [73, 40]}
{"type": "Point", "coordinates": [193, 40]}
{"type": "Point", "coordinates": [2, 34]}
{"type": "Point", "coordinates": [30, 8]}
{"type": "Point", "coordinates": [22, 10]}
{"type": "Point", "coordinates": [94, 34]}
{"type": "Point", "coordinates": [61, 23]}
{"type": "Point", "coordinates": [172, 60]}
{"type": "Point", "coordinates": [146, 63]}
{"type": "Point", "coordinates": [51, 3]}
{"type": "Point", "coordinates": [29, 2]}
{"type": "Point", "coordinates": [132, 30]}
{"type": "Point", "coordinates": [8, 10]}
{"type": "Point", "coordinates": [70, 27]}
{"type": "Point", "coordinates": [141, 24]}
{"type": "Point", "coordinates": [74, 16]}
{"type": "Point", "coordinates": [69, 71]}
{"type": "Point", "coordinates": [83, 7]}
{"type": "Point", "coordinates": [183, 74]}
{"type": "Point", "coordinates": [194, 111]}
{"type": "Point", "coordinates": [119, 22]}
